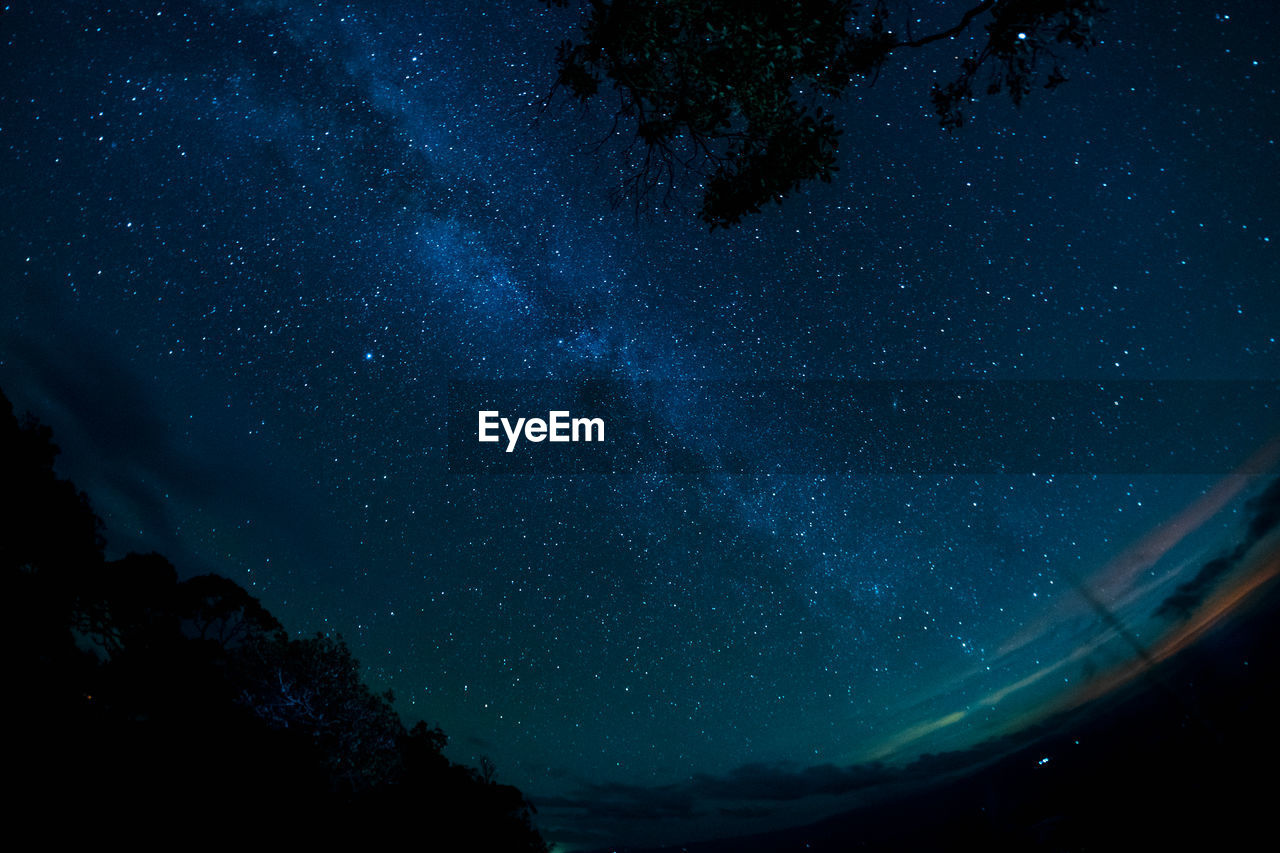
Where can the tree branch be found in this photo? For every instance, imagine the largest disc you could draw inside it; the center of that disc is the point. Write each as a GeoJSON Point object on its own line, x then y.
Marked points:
{"type": "Point", "coordinates": [954, 31]}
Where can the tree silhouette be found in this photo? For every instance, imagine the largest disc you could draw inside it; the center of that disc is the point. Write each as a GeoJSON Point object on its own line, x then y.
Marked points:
{"type": "Point", "coordinates": [142, 703]}
{"type": "Point", "coordinates": [313, 686]}
{"type": "Point", "coordinates": [220, 611]}
{"type": "Point", "coordinates": [737, 93]}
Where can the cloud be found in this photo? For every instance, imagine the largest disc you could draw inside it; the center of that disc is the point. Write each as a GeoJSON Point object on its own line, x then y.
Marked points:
{"type": "Point", "coordinates": [1188, 596]}
{"type": "Point", "coordinates": [752, 789]}
{"type": "Point", "coordinates": [1266, 513]}
{"type": "Point", "coordinates": [778, 783]}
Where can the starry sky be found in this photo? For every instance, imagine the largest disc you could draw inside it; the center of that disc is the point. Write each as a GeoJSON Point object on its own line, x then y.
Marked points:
{"type": "Point", "coordinates": [246, 247]}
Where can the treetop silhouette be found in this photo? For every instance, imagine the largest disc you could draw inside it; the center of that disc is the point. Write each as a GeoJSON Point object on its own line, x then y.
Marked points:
{"type": "Point", "coordinates": [145, 700]}
{"type": "Point", "coordinates": [739, 94]}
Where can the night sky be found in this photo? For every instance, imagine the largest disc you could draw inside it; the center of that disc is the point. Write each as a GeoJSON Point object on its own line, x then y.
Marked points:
{"type": "Point", "coordinates": [245, 248]}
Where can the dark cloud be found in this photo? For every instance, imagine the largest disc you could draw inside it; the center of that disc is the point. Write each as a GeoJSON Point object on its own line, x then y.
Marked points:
{"type": "Point", "coordinates": [746, 812]}
{"type": "Point", "coordinates": [1265, 509]}
{"type": "Point", "coordinates": [775, 783]}
{"type": "Point", "coordinates": [742, 790]}
{"type": "Point", "coordinates": [1266, 512]}
{"type": "Point", "coordinates": [616, 800]}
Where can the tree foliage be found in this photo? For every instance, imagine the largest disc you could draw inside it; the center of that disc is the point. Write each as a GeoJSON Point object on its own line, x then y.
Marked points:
{"type": "Point", "coordinates": [313, 686]}
{"type": "Point", "coordinates": [140, 699]}
{"type": "Point", "coordinates": [740, 93]}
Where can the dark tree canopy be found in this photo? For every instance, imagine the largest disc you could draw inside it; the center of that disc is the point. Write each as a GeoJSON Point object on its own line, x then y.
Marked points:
{"type": "Point", "coordinates": [738, 92]}
{"type": "Point", "coordinates": [143, 703]}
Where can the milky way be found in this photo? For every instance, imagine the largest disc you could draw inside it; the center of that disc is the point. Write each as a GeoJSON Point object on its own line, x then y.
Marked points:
{"type": "Point", "coordinates": [246, 247]}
